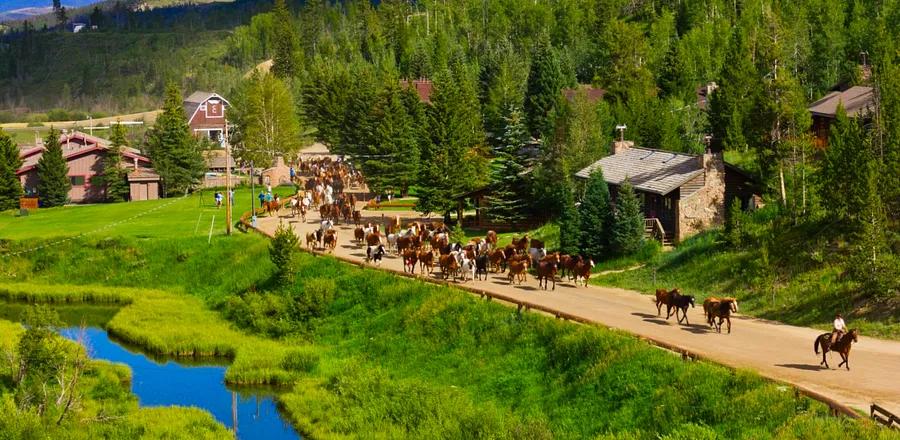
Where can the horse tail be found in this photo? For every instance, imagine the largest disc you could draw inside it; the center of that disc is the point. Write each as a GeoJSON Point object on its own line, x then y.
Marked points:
{"type": "Point", "coordinates": [816, 344]}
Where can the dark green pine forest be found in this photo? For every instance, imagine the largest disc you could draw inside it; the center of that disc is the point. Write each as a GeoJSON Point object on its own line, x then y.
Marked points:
{"type": "Point", "coordinates": [497, 71]}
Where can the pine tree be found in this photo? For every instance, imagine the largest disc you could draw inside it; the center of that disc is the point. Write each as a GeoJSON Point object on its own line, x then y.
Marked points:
{"type": "Point", "coordinates": [282, 251]}
{"type": "Point", "coordinates": [452, 163]}
{"type": "Point", "coordinates": [175, 153]}
{"type": "Point", "coordinates": [545, 80]}
{"type": "Point", "coordinates": [845, 168]}
{"type": "Point", "coordinates": [627, 235]}
{"type": "Point", "coordinates": [569, 222]}
{"type": "Point", "coordinates": [392, 161]}
{"type": "Point", "coordinates": [53, 173]}
{"type": "Point", "coordinates": [596, 217]}
{"type": "Point", "coordinates": [506, 202]}
{"type": "Point", "coordinates": [10, 162]}
{"type": "Point", "coordinates": [114, 175]}
{"type": "Point", "coordinates": [732, 104]}
{"type": "Point", "coordinates": [286, 63]}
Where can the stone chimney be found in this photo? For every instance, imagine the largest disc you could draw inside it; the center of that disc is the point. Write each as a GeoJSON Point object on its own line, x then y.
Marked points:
{"type": "Point", "coordinates": [621, 146]}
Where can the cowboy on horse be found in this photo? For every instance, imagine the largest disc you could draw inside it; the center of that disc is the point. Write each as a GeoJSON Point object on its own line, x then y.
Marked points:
{"type": "Point", "coordinates": [839, 328]}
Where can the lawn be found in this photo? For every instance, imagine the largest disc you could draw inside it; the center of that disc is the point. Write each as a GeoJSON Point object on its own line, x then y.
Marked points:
{"type": "Point", "coordinates": [165, 218]}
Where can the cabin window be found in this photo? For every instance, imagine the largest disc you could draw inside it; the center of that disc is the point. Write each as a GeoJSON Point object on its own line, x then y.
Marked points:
{"type": "Point", "coordinates": [76, 180]}
{"type": "Point", "coordinates": [668, 203]}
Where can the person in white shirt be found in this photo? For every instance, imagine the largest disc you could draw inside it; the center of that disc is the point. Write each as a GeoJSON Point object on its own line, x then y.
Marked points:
{"type": "Point", "coordinates": [839, 328]}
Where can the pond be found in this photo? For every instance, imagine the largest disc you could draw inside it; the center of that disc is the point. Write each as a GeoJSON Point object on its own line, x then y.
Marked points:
{"type": "Point", "coordinates": [167, 382]}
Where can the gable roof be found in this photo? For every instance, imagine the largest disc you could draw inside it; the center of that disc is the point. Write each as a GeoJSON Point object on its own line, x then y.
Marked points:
{"type": "Point", "coordinates": [856, 100]}
{"type": "Point", "coordinates": [653, 171]}
{"type": "Point", "coordinates": [75, 144]}
{"type": "Point", "coordinates": [192, 103]}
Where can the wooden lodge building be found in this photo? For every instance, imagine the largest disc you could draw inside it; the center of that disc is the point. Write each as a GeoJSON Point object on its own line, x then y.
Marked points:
{"type": "Point", "coordinates": [682, 194]}
{"type": "Point", "coordinates": [858, 101]}
{"type": "Point", "coordinates": [85, 156]}
{"type": "Point", "coordinates": [206, 115]}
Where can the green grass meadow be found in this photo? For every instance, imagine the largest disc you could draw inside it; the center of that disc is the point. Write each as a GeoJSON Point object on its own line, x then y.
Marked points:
{"type": "Point", "coordinates": [359, 353]}
{"type": "Point", "coordinates": [178, 217]}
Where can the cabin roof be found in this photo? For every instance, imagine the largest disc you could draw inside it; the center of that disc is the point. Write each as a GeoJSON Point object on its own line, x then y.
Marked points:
{"type": "Point", "coordinates": [591, 93]}
{"type": "Point", "coordinates": [856, 100]}
{"type": "Point", "coordinates": [648, 170]}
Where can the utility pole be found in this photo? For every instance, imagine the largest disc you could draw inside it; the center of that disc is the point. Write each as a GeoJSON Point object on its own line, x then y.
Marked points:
{"type": "Point", "coordinates": [227, 182]}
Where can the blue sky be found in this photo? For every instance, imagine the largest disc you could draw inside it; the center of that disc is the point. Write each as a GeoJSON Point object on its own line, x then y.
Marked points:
{"type": "Point", "coordinates": [9, 5]}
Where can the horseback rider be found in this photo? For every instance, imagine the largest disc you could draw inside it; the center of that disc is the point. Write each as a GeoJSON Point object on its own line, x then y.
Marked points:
{"type": "Point", "coordinates": [839, 328]}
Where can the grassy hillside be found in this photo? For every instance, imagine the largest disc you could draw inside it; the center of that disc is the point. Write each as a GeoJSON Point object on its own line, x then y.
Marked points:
{"type": "Point", "coordinates": [797, 276]}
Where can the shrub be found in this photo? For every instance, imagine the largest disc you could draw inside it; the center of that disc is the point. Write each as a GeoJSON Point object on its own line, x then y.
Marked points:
{"type": "Point", "coordinates": [281, 251]}
{"type": "Point", "coordinates": [314, 297]}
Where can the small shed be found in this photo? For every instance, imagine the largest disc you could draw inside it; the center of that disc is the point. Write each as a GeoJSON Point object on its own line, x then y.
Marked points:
{"type": "Point", "coordinates": [144, 185]}
{"type": "Point", "coordinates": [422, 86]}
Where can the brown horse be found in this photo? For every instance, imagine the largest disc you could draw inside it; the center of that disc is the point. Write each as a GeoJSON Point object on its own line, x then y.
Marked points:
{"type": "Point", "coordinates": [842, 346]}
{"type": "Point", "coordinates": [721, 308]}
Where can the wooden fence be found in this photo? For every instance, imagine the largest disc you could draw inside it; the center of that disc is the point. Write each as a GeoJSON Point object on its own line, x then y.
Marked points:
{"type": "Point", "coordinates": [884, 417]}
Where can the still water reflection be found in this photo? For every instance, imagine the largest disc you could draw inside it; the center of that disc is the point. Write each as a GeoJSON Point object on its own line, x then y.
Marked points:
{"type": "Point", "coordinates": [167, 382]}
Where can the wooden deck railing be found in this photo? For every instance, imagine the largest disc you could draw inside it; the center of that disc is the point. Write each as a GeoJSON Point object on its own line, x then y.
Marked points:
{"type": "Point", "coordinates": [656, 229]}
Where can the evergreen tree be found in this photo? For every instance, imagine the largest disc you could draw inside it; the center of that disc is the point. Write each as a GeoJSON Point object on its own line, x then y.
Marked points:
{"type": "Point", "coordinates": [545, 80]}
{"type": "Point", "coordinates": [114, 175]}
{"type": "Point", "coordinates": [53, 173]}
{"type": "Point", "coordinates": [506, 202]}
{"type": "Point", "coordinates": [452, 163]}
{"type": "Point", "coordinates": [627, 235]}
{"type": "Point", "coordinates": [569, 222]}
{"type": "Point", "coordinates": [845, 168]}
{"type": "Point", "coordinates": [286, 62]}
{"type": "Point", "coordinates": [175, 153]}
{"type": "Point", "coordinates": [596, 217]}
{"type": "Point", "coordinates": [10, 162]}
{"type": "Point", "coordinates": [731, 105]}
{"type": "Point", "coordinates": [392, 161]}
{"type": "Point", "coordinates": [282, 251]}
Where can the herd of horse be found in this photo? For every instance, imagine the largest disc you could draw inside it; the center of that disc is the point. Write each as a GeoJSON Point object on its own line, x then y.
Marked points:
{"type": "Point", "coordinates": [427, 245]}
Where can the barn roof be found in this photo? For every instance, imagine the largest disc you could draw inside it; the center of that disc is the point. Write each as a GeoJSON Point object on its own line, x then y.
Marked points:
{"type": "Point", "coordinates": [193, 102]}
{"type": "Point", "coordinates": [648, 170]}
{"type": "Point", "coordinates": [856, 100]}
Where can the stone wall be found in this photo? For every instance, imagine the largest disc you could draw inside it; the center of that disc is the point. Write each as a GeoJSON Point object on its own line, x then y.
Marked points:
{"type": "Point", "coordinates": [706, 207]}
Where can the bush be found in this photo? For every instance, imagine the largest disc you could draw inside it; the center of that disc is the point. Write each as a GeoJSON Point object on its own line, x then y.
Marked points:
{"type": "Point", "coordinates": [314, 297]}
{"type": "Point", "coordinates": [281, 251]}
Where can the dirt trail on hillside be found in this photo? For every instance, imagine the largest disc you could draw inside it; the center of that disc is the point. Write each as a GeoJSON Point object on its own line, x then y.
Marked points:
{"type": "Point", "coordinates": [775, 350]}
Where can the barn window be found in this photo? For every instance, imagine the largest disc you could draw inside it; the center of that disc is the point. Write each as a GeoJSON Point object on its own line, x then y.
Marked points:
{"type": "Point", "coordinates": [668, 203]}
{"type": "Point", "coordinates": [76, 180]}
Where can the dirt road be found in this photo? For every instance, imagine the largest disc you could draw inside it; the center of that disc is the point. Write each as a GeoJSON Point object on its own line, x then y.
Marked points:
{"type": "Point", "coordinates": [775, 350]}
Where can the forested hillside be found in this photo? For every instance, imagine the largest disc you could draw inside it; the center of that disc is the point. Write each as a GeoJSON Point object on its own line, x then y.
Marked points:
{"type": "Point", "coordinates": [497, 70]}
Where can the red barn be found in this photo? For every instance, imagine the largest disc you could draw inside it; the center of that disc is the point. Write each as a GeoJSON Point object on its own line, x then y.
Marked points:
{"type": "Point", "coordinates": [423, 88]}
{"type": "Point", "coordinates": [206, 115]}
{"type": "Point", "coordinates": [84, 155]}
